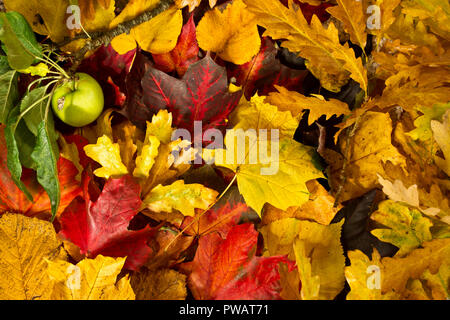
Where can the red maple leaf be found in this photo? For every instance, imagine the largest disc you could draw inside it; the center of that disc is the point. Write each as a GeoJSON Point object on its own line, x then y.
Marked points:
{"type": "Point", "coordinates": [183, 55]}
{"type": "Point", "coordinates": [228, 268]}
{"type": "Point", "coordinates": [264, 71]}
{"type": "Point", "coordinates": [201, 95]}
{"type": "Point", "coordinates": [12, 199]}
{"type": "Point", "coordinates": [101, 226]}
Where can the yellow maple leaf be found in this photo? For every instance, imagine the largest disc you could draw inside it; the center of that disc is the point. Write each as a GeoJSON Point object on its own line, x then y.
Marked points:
{"type": "Point", "coordinates": [90, 279]}
{"type": "Point", "coordinates": [328, 60]}
{"type": "Point", "coordinates": [295, 102]}
{"type": "Point", "coordinates": [179, 196]}
{"type": "Point", "coordinates": [351, 14]}
{"type": "Point", "coordinates": [259, 114]}
{"type": "Point", "coordinates": [271, 160]}
{"type": "Point", "coordinates": [163, 284]}
{"type": "Point", "coordinates": [24, 244]}
{"type": "Point", "coordinates": [261, 181]}
{"type": "Point", "coordinates": [441, 133]}
{"type": "Point", "coordinates": [158, 35]}
{"type": "Point", "coordinates": [231, 33]}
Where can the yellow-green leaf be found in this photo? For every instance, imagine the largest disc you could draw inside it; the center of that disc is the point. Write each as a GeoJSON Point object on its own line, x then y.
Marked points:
{"type": "Point", "coordinates": [407, 227]}
{"type": "Point", "coordinates": [179, 196]}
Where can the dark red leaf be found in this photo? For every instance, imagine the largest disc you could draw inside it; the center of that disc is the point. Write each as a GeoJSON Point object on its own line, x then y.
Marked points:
{"type": "Point", "coordinates": [264, 71]}
{"type": "Point", "coordinates": [228, 268]}
{"type": "Point", "coordinates": [101, 227]}
{"type": "Point", "coordinates": [110, 69]}
{"type": "Point", "coordinates": [202, 94]}
{"type": "Point", "coordinates": [183, 55]}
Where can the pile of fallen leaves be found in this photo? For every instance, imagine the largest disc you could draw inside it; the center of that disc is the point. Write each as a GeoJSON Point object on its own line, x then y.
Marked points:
{"type": "Point", "coordinates": [359, 205]}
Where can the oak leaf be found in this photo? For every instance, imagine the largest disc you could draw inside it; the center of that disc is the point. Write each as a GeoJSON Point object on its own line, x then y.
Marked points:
{"type": "Point", "coordinates": [351, 14]}
{"type": "Point", "coordinates": [25, 245]}
{"type": "Point", "coordinates": [329, 61]}
{"type": "Point", "coordinates": [407, 228]}
{"type": "Point", "coordinates": [232, 33]}
{"type": "Point", "coordinates": [296, 103]}
{"type": "Point", "coordinates": [441, 133]}
{"type": "Point", "coordinates": [372, 146]}
{"type": "Point", "coordinates": [89, 279]}
{"type": "Point", "coordinates": [388, 278]}
{"type": "Point", "coordinates": [423, 130]}
{"type": "Point", "coordinates": [181, 197]}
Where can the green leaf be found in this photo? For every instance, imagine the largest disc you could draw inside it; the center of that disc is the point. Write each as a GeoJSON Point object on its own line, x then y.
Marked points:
{"type": "Point", "coordinates": [8, 93]}
{"type": "Point", "coordinates": [406, 228]}
{"type": "Point", "coordinates": [13, 160]}
{"type": "Point", "coordinates": [34, 117]}
{"type": "Point", "coordinates": [25, 143]}
{"type": "Point", "coordinates": [18, 39]}
{"type": "Point", "coordinates": [4, 65]}
{"type": "Point", "coordinates": [47, 172]}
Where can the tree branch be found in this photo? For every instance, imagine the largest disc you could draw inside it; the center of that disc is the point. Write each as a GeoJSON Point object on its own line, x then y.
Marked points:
{"type": "Point", "coordinates": [103, 38]}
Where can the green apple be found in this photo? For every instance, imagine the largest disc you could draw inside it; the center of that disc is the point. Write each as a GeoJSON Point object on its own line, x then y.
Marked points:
{"type": "Point", "coordinates": [78, 101]}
